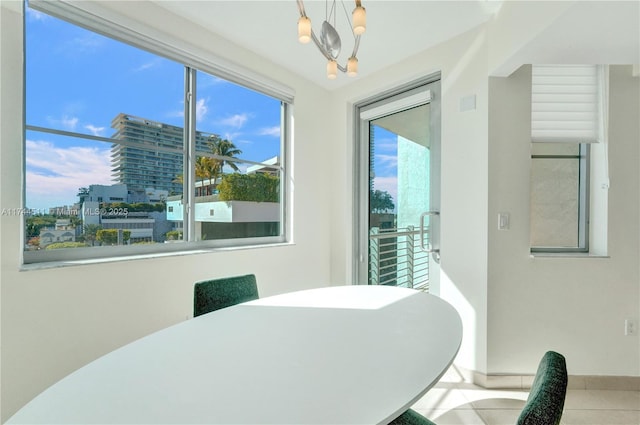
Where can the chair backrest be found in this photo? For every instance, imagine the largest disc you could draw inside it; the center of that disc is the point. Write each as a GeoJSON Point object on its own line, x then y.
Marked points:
{"type": "Point", "coordinates": [411, 417]}
{"type": "Point", "coordinates": [546, 400]}
{"type": "Point", "coordinates": [211, 295]}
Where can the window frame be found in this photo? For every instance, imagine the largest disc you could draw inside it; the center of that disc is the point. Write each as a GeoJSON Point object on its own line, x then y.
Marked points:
{"type": "Point", "coordinates": [94, 17]}
{"type": "Point", "coordinates": [584, 184]}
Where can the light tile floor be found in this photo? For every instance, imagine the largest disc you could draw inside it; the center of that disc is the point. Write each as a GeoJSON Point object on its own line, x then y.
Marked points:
{"type": "Point", "coordinates": [453, 402]}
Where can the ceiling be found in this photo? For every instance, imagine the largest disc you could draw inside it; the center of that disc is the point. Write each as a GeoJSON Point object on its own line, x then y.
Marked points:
{"type": "Point", "coordinates": [584, 31]}
{"type": "Point", "coordinates": [396, 29]}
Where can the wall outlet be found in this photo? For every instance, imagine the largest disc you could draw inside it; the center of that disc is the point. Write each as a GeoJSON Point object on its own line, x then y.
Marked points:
{"type": "Point", "coordinates": [630, 327]}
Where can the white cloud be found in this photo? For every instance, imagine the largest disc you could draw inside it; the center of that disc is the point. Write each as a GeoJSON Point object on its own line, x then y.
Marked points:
{"type": "Point", "coordinates": [387, 184]}
{"type": "Point", "coordinates": [239, 142]}
{"type": "Point", "coordinates": [236, 121]}
{"type": "Point", "coordinates": [386, 145]}
{"type": "Point", "coordinates": [96, 131]}
{"type": "Point", "coordinates": [232, 136]}
{"type": "Point", "coordinates": [201, 109]}
{"type": "Point", "coordinates": [386, 161]}
{"type": "Point", "coordinates": [87, 43]}
{"type": "Point", "coordinates": [54, 174]}
{"type": "Point", "coordinates": [34, 15]}
{"type": "Point", "coordinates": [208, 80]}
{"type": "Point", "coordinates": [270, 131]}
{"type": "Point", "coordinates": [175, 114]}
{"type": "Point", "coordinates": [146, 66]}
{"type": "Point", "coordinates": [70, 122]}
{"type": "Point", "coordinates": [66, 122]}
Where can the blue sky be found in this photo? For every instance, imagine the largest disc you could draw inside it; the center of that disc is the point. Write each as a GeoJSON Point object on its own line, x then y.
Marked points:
{"type": "Point", "coordinates": [385, 162]}
{"type": "Point", "coordinates": [79, 81]}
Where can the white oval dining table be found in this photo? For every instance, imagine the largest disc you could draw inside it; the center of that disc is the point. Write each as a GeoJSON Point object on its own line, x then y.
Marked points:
{"type": "Point", "coordinates": [336, 355]}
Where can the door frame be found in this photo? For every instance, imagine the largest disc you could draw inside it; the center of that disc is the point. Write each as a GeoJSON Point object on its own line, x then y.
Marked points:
{"type": "Point", "coordinates": [395, 100]}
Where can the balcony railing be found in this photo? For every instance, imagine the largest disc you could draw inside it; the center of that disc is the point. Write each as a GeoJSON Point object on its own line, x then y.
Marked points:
{"type": "Point", "coordinates": [395, 258]}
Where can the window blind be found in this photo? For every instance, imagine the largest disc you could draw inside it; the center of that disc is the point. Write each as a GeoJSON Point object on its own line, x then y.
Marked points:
{"type": "Point", "coordinates": [113, 24]}
{"type": "Point", "coordinates": [565, 103]}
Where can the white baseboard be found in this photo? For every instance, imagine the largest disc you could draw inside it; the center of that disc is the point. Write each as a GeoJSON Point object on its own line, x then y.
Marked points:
{"type": "Point", "coordinates": [588, 382]}
{"type": "Point", "coordinates": [576, 382]}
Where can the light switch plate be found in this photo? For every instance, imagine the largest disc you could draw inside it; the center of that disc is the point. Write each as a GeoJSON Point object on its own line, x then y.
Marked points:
{"type": "Point", "coordinates": [503, 221]}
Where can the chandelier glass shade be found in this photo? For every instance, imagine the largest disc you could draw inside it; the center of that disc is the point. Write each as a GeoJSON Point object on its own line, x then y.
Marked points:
{"type": "Point", "coordinates": [329, 42]}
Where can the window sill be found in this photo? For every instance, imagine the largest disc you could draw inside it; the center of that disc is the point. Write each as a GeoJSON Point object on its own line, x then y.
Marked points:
{"type": "Point", "coordinates": [90, 261]}
{"type": "Point", "coordinates": [534, 255]}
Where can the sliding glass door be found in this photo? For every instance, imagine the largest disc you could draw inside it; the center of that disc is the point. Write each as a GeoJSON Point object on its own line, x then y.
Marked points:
{"type": "Point", "coordinates": [399, 209]}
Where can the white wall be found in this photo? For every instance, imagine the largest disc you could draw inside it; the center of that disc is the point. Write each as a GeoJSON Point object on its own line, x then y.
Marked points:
{"type": "Point", "coordinates": [575, 306]}
{"type": "Point", "coordinates": [56, 320]}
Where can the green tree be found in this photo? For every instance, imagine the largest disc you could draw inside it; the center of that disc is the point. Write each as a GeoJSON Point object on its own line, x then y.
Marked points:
{"type": "Point", "coordinates": [380, 201]}
{"type": "Point", "coordinates": [75, 220]}
{"type": "Point", "coordinates": [174, 235]}
{"type": "Point", "coordinates": [179, 179]}
{"type": "Point", "coordinates": [250, 187]}
{"type": "Point", "coordinates": [34, 242]}
{"type": "Point", "coordinates": [225, 148]}
{"type": "Point", "coordinates": [60, 245]}
{"type": "Point", "coordinates": [124, 208]}
{"type": "Point", "coordinates": [90, 232]}
{"type": "Point", "coordinates": [36, 222]}
{"type": "Point", "coordinates": [83, 192]}
{"type": "Point", "coordinates": [207, 168]}
{"type": "Point", "coordinates": [110, 236]}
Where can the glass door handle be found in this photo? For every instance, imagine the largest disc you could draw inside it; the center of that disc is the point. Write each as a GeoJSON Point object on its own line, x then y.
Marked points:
{"type": "Point", "coordinates": [428, 248]}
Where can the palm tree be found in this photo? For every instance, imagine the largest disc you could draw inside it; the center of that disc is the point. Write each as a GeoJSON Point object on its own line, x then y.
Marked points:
{"type": "Point", "coordinates": [205, 169]}
{"type": "Point", "coordinates": [212, 168]}
{"type": "Point", "coordinates": [90, 233]}
{"type": "Point", "coordinates": [225, 148]}
{"type": "Point", "coordinates": [83, 192]}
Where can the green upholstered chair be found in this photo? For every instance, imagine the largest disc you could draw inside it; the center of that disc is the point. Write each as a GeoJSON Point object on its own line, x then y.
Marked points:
{"type": "Point", "coordinates": [544, 404]}
{"type": "Point", "coordinates": [546, 399]}
{"type": "Point", "coordinates": [411, 417]}
{"type": "Point", "coordinates": [211, 295]}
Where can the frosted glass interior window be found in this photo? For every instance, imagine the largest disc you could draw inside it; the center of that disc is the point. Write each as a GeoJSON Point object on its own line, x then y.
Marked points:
{"type": "Point", "coordinates": [558, 191]}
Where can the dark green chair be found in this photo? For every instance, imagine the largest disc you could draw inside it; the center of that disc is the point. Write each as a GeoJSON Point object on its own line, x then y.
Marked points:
{"type": "Point", "coordinates": [211, 295]}
{"type": "Point", "coordinates": [545, 402]}
{"type": "Point", "coordinates": [411, 417]}
{"type": "Point", "coordinates": [546, 399]}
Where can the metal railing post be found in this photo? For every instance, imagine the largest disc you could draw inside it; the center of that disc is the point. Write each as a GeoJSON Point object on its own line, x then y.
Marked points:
{"type": "Point", "coordinates": [410, 255]}
{"type": "Point", "coordinates": [374, 257]}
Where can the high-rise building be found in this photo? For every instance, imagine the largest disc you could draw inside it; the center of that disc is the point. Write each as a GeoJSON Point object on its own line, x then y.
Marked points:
{"type": "Point", "coordinates": [149, 154]}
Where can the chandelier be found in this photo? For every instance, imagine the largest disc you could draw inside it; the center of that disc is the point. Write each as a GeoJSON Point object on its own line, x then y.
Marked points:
{"type": "Point", "coordinates": [329, 42]}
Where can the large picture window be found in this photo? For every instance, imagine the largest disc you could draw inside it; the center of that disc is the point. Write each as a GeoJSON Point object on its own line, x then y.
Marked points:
{"type": "Point", "coordinates": [128, 151]}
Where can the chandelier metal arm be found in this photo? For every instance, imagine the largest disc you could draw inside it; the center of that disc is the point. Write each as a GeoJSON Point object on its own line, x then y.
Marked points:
{"type": "Point", "coordinates": [326, 54]}
{"type": "Point", "coordinates": [319, 44]}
